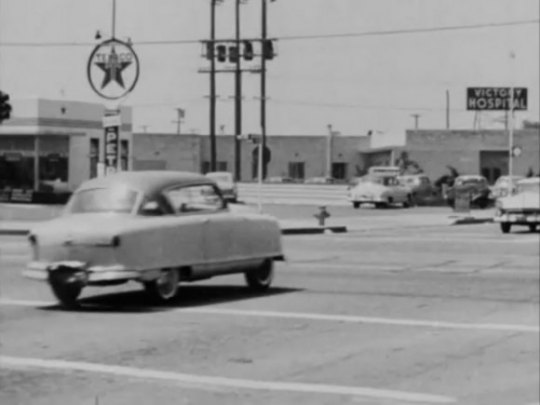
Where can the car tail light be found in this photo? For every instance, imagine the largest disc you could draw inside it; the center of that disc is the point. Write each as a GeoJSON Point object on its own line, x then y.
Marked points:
{"type": "Point", "coordinates": [115, 242]}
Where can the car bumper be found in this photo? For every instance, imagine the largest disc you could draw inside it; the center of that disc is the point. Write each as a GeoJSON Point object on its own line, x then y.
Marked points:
{"type": "Point", "coordinates": [363, 199]}
{"type": "Point", "coordinates": [524, 219]}
{"type": "Point", "coordinates": [89, 275]}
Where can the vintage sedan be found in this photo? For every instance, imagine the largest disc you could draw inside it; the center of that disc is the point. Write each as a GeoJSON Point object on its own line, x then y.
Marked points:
{"type": "Point", "coordinates": [504, 186]}
{"type": "Point", "coordinates": [157, 228]}
{"type": "Point", "coordinates": [382, 191]}
{"type": "Point", "coordinates": [522, 208]}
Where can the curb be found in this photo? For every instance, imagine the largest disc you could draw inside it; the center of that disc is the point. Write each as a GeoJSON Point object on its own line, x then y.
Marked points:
{"type": "Point", "coordinates": [471, 221]}
{"type": "Point", "coordinates": [14, 232]}
{"type": "Point", "coordinates": [313, 230]}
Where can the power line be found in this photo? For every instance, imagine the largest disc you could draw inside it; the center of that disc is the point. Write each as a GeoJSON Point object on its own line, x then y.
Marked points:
{"type": "Point", "coordinates": [294, 37]}
{"type": "Point", "coordinates": [412, 30]}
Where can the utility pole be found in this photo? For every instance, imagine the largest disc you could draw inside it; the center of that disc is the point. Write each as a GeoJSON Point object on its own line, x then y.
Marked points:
{"type": "Point", "coordinates": [181, 114]}
{"type": "Point", "coordinates": [416, 117]}
{"type": "Point", "coordinates": [263, 86]}
{"type": "Point", "coordinates": [237, 99]}
{"type": "Point", "coordinates": [211, 49]}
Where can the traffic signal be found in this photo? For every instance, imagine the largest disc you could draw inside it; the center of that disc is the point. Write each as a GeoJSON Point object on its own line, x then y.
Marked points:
{"type": "Point", "coordinates": [248, 50]}
{"type": "Point", "coordinates": [233, 54]}
{"type": "Point", "coordinates": [5, 107]}
{"type": "Point", "coordinates": [210, 50]}
{"type": "Point", "coordinates": [268, 49]}
{"type": "Point", "coordinates": [221, 53]}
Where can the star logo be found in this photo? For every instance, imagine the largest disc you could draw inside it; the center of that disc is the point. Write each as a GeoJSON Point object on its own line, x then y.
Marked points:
{"type": "Point", "coordinates": [113, 69]}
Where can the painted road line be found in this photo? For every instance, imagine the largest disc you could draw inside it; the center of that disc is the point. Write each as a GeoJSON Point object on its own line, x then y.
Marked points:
{"type": "Point", "coordinates": [123, 371]}
{"type": "Point", "coordinates": [434, 268]}
{"type": "Point", "coordinates": [364, 320]}
{"type": "Point", "coordinates": [209, 310]}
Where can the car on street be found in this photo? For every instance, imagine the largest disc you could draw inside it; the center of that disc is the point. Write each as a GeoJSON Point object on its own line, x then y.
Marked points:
{"type": "Point", "coordinates": [157, 228]}
{"type": "Point", "coordinates": [476, 187]}
{"type": "Point", "coordinates": [420, 186]}
{"type": "Point", "coordinates": [226, 183]}
{"type": "Point", "coordinates": [522, 208]}
{"type": "Point", "coordinates": [380, 190]}
{"type": "Point", "coordinates": [503, 185]}
{"type": "Point", "coordinates": [320, 180]}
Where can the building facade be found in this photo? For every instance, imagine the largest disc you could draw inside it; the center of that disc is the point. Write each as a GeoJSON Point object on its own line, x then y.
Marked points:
{"type": "Point", "coordinates": [482, 152]}
{"type": "Point", "coordinates": [55, 145]}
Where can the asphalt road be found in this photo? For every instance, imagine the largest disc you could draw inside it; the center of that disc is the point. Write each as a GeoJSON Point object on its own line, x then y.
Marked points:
{"type": "Point", "coordinates": [439, 315]}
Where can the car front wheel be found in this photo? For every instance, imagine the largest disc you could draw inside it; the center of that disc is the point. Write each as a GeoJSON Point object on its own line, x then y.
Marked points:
{"type": "Point", "coordinates": [65, 291]}
{"type": "Point", "coordinates": [532, 227]}
{"type": "Point", "coordinates": [505, 227]}
{"type": "Point", "coordinates": [165, 287]}
{"type": "Point", "coordinates": [356, 205]}
{"type": "Point", "coordinates": [260, 278]}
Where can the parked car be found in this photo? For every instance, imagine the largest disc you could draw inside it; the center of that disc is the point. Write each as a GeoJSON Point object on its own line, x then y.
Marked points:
{"type": "Point", "coordinates": [319, 180]}
{"type": "Point", "coordinates": [420, 187]}
{"type": "Point", "coordinates": [154, 227]}
{"type": "Point", "coordinates": [475, 186]}
{"type": "Point", "coordinates": [503, 185]}
{"type": "Point", "coordinates": [280, 179]}
{"type": "Point", "coordinates": [379, 190]}
{"type": "Point", "coordinates": [522, 208]}
{"type": "Point", "coordinates": [226, 184]}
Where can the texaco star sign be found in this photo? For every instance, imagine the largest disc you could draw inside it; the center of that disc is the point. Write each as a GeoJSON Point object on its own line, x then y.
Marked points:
{"type": "Point", "coordinates": [113, 69]}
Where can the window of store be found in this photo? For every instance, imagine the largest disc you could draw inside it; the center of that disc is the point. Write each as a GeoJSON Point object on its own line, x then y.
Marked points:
{"type": "Point", "coordinates": [339, 170]}
{"type": "Point", "coordinates": [124, 154]}
{"type": "Point", "coordinates": [296, 170]}
{"type": "Point", "coordinates": [94, 157]}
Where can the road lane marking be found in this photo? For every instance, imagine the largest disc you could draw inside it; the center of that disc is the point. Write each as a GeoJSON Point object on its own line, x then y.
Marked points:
{"type": "Point", "coordinates": [363, 319]}
{"type": "Point", "coordinates": [123, 371]}
{"type": "Point", "coordinates": [208, 310]}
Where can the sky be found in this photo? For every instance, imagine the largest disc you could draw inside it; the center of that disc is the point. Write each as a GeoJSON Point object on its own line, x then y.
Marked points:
{"type": "Point", "coordinates": [354, 82]}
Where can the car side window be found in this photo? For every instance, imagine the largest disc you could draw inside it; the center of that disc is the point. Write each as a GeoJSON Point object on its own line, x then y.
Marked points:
{"type": "Point", "coordinates": [194, 198]}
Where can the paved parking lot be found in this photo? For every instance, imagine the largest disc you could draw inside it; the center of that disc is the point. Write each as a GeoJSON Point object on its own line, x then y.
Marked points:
{"type": "Point", "coordinates": [400, 316]}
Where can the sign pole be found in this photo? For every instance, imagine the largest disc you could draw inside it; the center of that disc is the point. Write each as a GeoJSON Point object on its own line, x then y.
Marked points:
{"type": "Point", "coordinates": [511, 140]}
{"type": "Point", "coordinates": [260, 173]}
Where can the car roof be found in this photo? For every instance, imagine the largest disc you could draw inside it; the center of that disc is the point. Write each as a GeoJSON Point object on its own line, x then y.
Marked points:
{"type": "Point", "coordinates": [148, 182]}
{"type": "Point", "coordinates": [219, 174]}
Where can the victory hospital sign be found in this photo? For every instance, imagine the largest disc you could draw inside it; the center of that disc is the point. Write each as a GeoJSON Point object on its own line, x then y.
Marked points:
{"type": "Point", "coordinates": [496, 98]}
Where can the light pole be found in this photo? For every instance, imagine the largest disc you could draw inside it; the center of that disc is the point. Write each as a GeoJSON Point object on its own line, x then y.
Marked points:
{"type": "Point", "coordinates": [511, 123]}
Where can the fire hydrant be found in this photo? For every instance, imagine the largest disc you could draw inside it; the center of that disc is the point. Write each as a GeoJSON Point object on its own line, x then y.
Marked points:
{"type": "Point", "coordinates": [322, 215]}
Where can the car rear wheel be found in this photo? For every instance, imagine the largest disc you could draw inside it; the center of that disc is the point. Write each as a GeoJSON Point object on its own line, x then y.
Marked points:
{"type": "Point", "coordinates": [260, 278]}
{"type": "Point", "coordinates": [532, 227]}
{"type": "Point", "coordinates": [165, 287]}
{"type": "Point", "coordinates": [356, 205]}
{"type": "Point", "coordinates": [65, 291]}
{"type": "Point", "coordinates": [505, 227]}
{"type": "Point", "coordinates": [409, 202]}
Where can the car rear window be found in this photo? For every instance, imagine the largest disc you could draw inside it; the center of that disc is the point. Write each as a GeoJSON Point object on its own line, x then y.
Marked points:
{"type": "Point", "coordinates": [103, 200]}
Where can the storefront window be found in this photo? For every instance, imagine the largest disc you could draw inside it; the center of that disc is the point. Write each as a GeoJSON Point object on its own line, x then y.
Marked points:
{"type": "Point", "coordinates": [124, 155]}
{"type": "Point", "coordinates": [94, 157]}
{"type": "Point", "coordinates": [16, 171]}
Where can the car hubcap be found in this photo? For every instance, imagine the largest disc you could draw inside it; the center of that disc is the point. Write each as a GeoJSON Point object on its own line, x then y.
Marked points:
{"type": "Point", "coordinates": [167, 283]}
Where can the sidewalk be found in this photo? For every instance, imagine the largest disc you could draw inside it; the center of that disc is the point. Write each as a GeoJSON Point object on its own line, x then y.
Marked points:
{"type": "Point", "coordinates": [337, 225]}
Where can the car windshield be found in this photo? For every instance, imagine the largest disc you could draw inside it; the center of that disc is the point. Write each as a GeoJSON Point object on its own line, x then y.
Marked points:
{"type": "Point", "coordinates": [528, 187]}
{"type": "Point", "coordinates": [468, 180]}
{"type": "Point", "coordinates": [103, 200]}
